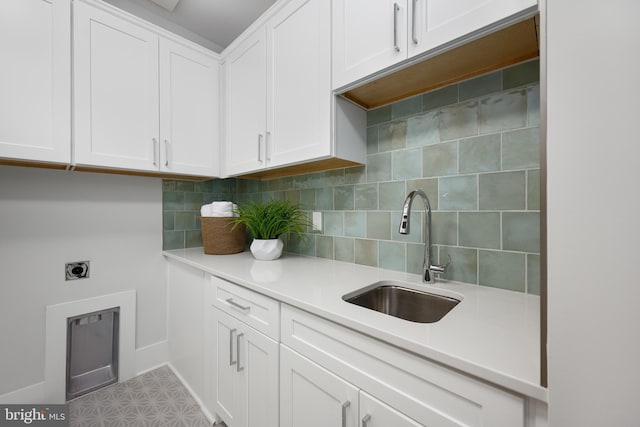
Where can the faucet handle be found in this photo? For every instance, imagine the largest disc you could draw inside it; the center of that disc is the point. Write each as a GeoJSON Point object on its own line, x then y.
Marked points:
{"type": "Point", "coordinates": [439, 269]}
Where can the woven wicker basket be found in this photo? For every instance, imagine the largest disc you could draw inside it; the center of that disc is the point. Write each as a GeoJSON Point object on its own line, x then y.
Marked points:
{"type": "Point", "coordinates": [219, 237]}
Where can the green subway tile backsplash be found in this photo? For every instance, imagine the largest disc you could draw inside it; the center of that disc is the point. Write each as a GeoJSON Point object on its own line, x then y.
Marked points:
{"type": "Point", "coordinates": [479, 154]}
{"type": "Point", "coordinates": [440, 97]}
{"type": "Point", "coordinates": [181, 202]}
{"type": "Point", "coordinates": [458, 193]}
{"type": "Point", "coordinates": [503, 111]}
{"type": "Point", "coordinates": [473, 147]}
{"type": "Point", "coordinates": [459, 121]}
{"type": "Point", "coordinates": [423, 129]}
{"type": "Point", "coordinates": [391, 255]}
{"type": "Point", "coordinates": [504, 270]}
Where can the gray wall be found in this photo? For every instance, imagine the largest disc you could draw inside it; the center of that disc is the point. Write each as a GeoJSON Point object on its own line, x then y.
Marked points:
{"type": "Point", "coordinates": [48, 218]}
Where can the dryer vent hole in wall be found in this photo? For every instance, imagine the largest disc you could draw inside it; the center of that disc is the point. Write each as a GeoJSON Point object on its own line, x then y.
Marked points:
{"type": "Point", "coordinates": [76, 270]}
{"type": "Point", "coordinates": [92, 351]}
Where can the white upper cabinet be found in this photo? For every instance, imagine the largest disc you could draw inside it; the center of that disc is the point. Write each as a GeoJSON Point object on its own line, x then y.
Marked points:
{"type": "Point", "coordinates": [279, 104]}
{"type": "Point", "coordinates": [245, 72]}
{"type": "Point", "coordinates": [35, 80]}
{"type": "Point", "coordinates": [189, 111]}
{"type": "Point", "coordinates": [433, 23]}
{"type": "Point", "coordinates": [142, 102]}
{"type": "Point", "coordinates": [370, 35]}
{"type": "Point", "coordinates": [116, 91]}
{"type": "Point", "coordinates": [299, 83]}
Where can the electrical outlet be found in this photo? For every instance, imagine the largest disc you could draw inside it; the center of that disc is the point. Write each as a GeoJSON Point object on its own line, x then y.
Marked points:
{"type": "Point", "coordinates": [317, 221]}
{"type": "Point", "coordinates": [76, 270]}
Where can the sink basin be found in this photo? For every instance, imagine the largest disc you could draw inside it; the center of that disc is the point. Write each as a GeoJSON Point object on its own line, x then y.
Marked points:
{"type": "Point", "coordinates": [399, 301]}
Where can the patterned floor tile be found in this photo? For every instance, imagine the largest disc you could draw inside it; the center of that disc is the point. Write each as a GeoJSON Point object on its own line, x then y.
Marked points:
{"type": "Point", "coordinates": [156, 398]}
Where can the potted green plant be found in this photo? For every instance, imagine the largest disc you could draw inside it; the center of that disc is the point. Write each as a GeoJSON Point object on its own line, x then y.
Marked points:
{"type": "Point", "coordinates": [267, 222]}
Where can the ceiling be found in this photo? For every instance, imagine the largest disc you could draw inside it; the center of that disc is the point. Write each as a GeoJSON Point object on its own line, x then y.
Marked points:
{"type": "Point", "coordinates": [211, 23]}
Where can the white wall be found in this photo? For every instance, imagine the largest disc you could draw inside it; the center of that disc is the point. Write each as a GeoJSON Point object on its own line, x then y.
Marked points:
{"type": "Point", "coordinates": [593, 63]}
{"type": "Point", "coordinates": [51, 217]}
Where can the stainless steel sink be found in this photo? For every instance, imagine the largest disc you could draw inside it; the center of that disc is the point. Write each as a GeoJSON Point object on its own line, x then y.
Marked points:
{"type": "Point", "coordinates": [399, 301]}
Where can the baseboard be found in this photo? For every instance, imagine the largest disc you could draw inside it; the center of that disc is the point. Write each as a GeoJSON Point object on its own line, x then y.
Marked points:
{"type": "Point", "coordinates": [147, 358]}
{"type": "Point", "coordinates": [198, 399]}
{"type": "Point", "coordinates": [32, 394]}
{"type": "Point", "coordinates": [152, 356]}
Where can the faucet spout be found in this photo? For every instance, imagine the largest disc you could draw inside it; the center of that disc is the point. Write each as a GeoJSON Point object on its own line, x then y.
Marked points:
{"type": "Point", "coordinates": [428, 270]}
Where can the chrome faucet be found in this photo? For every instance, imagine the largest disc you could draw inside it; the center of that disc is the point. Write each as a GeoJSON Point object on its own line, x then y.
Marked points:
{"type": "Point", "coordinates": [428, 269]}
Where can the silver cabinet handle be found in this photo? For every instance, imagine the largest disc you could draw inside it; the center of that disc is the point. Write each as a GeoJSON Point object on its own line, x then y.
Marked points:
{"type": "Point", "coordinates": [166, 153]}
{"type": "Point", "coordinates": [267, 150]}
{"type": "Point", "coordinates": [238, 367]}
{"type": "Point", "coordinates": [231, 361]}
{"type": "Point", "coordinates": [260, 147]}
{"type": "Point", "coordinates": [155, 152]}
{"type": "Point", "coordinates": [414, 36]}
{"type": "Point", "coordinates": [365, 420]}
{"type": "Point", "coordinates": [345, 406]}
{"type": "Point", "coordinates": [396, 9]}
{"type": "Point", "coordinates": [239, 306]}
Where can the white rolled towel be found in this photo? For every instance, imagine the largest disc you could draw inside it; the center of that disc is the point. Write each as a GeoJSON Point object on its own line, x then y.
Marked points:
{"type": "Point", "coordinates": [218, 209]}
{"type": "Point", "coordinates": [205, 210]}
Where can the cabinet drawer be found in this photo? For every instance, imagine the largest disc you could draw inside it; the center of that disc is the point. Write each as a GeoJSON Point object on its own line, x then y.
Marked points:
{"type": "Point", "coordinates": [425, 391]}
{"type": "Point", "coordinates": [256, 310]}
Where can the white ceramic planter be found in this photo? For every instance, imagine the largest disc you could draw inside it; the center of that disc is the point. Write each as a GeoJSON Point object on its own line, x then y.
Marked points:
{"type": "Point", "coordinates": [266, 250]}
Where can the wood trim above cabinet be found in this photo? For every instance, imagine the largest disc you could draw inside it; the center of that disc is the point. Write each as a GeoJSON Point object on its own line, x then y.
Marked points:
{"type": "Point", "coordinates": [510, 45]}
{"type": "Point", "coordinates": [315, 166]}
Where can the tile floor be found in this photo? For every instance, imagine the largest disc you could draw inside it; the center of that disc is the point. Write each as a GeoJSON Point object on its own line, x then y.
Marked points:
{"type": "Point", "coordinates": [156, 398]}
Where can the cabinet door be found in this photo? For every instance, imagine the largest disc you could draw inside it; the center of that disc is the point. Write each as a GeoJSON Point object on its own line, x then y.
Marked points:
{"type": "Point", "coordinates": [368, 35]}
{"type": "Point", "coordinates": [246, 101]}
{"type": "Point", "coordinates": [185, 320]}
{"type": "Point", "coordinates": [374, 413]}
{"type": "Point", "coordinates": [115, 91]}
{"type": "Point", "coordinates": [226, 384]}
{"type": "Point", "coordinates": [35, 82]}
{"type": "Point", "coordinates": [258, 370]}
{"type": "Point", "coordinates": [188, 110]}
{"type": "Point", "coordinates": [299, 83]}
{"type": "Point", "coordinates": [311, 396]}
{"type": "Point", "coordinates": [433, 23]}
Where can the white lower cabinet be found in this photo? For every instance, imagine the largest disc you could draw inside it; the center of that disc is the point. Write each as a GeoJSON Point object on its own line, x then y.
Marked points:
{"type": "Point", "coordinates": [311, 396]}
{"type": "Point", "coordinates": [323, 361]}
{"type": "Point", "coordinates": [374, 413]}
{"type": "Point", "coordinates": [243, 367]}
{"type": "Point", "coordinates": [268, 364]}
{"type": "Point", "coordinates": [185, 324]}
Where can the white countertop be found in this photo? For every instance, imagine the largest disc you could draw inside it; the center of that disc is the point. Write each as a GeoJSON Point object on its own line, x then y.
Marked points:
{"type": "Point", "coordinates": [492, 334]}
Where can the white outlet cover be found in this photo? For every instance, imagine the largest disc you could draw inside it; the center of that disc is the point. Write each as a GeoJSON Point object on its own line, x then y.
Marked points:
{"type": "Point", "coordinates": [317, 221]}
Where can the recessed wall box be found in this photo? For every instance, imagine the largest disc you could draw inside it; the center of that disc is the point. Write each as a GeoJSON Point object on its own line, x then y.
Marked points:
{"type": "Point", "coordinates": [76, 270]}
